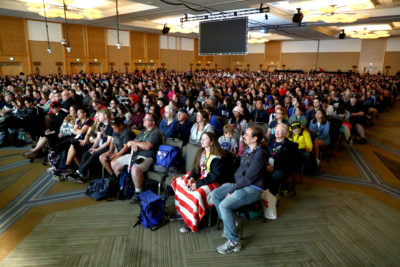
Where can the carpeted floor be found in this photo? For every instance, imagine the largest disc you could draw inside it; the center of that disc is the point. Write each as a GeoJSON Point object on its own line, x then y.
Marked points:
{"type": "Point", "coordinates": [348, 215]}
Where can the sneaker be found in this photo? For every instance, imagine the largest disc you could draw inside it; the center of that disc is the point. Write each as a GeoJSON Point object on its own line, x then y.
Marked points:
{"type": "Point", "coordinates": [134, 199]}
{"type": "Point", "coordinates": [58, 178]}
{"type": "Point", "coordinates": [184, 229]}
{"type": "Point", "coordinates": [175, 217]}
{"type": "Point", "coordinates": [75, 178]}
{"type": "Point", "coordinates": [229, 247]}
{"type": "Point", "coordinates": [51, 169]}
{"type": "Point", "coordinates": [64, 168]}
{"type": "Point", "coordinates": [318, 162]}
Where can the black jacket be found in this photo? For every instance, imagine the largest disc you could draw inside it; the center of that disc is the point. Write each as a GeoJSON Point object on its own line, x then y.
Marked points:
{"type": "Point", "coordinates": [215, 174]}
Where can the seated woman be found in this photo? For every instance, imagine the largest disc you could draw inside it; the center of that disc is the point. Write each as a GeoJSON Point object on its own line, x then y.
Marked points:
{"type": "Point", "coordinates": [82, 126]}
{"type": "Point", "coordinates": [279, 165]}
{"type": "Point", "coordinates": [302, 137]}
{"type": "Point", "coordinates": [201, 126]}
{"type": "Point", "coordinates": [56, 120]}
{"type": "Point", "coordinates": [238, 121]}
{"type": "Point", "coordinates": [319, 128]}
{"type": "Point", "coordinates": [193, 190]}
{"type": "Point", "coordinates": [280, 117]}
{"type": "Point", "coordinates": [169, 126]}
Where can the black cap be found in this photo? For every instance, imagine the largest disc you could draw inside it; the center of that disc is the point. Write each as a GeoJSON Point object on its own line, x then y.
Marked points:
{"type": "Point", "coordinates": [184, 111]}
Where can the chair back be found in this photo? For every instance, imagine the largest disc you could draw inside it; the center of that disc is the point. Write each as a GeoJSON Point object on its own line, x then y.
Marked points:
{"type": "Point", "coordinates": [176, 142]}
{"type": "Point", "coordinates": [190, 154]}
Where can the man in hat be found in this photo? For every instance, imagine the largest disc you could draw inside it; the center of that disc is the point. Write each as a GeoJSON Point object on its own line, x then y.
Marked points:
{"type": "Point", "coordinates": [184, 125]}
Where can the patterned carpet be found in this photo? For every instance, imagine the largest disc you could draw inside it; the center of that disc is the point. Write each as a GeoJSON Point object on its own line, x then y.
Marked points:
{"type": "Point", "coordinates": [349, 215]}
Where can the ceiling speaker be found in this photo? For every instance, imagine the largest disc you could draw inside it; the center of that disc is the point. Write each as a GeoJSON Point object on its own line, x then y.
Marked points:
{"type": "Point", "coordinates": [298, 17]}
{"type": "Point", "coordinates": [165, 30]}
{"type": "Point", "coordinates": [342, 35]}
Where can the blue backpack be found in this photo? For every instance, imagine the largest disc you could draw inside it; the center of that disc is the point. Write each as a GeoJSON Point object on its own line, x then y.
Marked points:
{"type": "Point", "coordinates": [126, 188]}
{"type": "Point", "coordinates": [152, 211]}
{"type": "Point", "coordinates": [166, 156]}
{"type": "Point", "coordinates": [99, 189]}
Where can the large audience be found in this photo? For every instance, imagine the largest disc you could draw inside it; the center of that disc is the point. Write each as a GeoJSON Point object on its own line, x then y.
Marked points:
{"type": "Point", "coordinates": [267, 124]}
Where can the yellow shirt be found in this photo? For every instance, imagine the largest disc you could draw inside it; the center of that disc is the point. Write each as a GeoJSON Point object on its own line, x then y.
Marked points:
{"type": "Point", "coordinates": [304, 140]}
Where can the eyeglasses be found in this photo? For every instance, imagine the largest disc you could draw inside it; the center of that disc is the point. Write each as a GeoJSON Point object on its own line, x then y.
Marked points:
{"type": "Point", "coordinates": [147, 119]}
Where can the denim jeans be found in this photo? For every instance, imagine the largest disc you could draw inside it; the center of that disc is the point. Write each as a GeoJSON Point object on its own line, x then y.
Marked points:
{"type": "Point", "coordinates": [226, 205]}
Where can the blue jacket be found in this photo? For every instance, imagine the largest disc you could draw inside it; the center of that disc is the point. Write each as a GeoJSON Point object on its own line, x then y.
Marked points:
{"type": "Point", "coordinates": [252, 169]}
{"type": "Point", "coordinates": [322, 132]}
{"type": "Point", "coordinates": [169, 131]}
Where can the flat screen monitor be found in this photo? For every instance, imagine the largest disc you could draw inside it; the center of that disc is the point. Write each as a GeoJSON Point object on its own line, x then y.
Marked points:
{"type": "Point", "coordinates": [223, 37]}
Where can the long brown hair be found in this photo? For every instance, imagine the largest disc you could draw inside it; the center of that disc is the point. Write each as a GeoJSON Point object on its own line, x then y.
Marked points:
{"type": "Point", "coordinates": [215, 149]}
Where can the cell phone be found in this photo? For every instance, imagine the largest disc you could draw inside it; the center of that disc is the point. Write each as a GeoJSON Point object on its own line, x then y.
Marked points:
{"type": "Point", "coordinates": [138, 161]}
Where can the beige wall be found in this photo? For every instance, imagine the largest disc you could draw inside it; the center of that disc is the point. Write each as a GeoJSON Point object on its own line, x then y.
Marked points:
{"type": "Point", "coordinates": [177, 59]}
{"type": "Point", "coordinates": [299, 61]}
{"type": "Point", "coordinates": [372, 55]}
{"type": "Point", "coordinates": [47, 61]}
{"type": "Point", "coordinates": [392, 59]}
{"type": "Point", "coordinates": [338, 61]}
{"type": "Point", "coordinates": [119, 57]}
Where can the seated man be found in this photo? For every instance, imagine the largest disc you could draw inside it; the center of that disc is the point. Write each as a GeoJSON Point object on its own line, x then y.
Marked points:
{"type": "Point", "coordinates": [250, 181]}
{"type": "Point", "coordinates": [118, 147]}
{"type": "Point", "coordinates": [145, 147]}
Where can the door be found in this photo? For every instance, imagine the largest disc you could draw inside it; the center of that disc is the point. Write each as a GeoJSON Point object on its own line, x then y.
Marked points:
{"type": "Point", "coordinates": [77, 67]}
{"type": "Point", "coordinates": [95, 67]}
{"type": "Point", "coordinates": [10, 68]}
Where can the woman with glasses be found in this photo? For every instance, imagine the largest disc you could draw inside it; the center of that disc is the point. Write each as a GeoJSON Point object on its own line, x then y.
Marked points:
{"type": "Point", "coordinates": [280, 117]}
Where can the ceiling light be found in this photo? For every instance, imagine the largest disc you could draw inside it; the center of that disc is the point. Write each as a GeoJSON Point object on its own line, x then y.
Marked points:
{"type": "Point", "coordinates": [75, 9]}
{"type": "Point", "coordinates": [118, 46]}
{"type": "Point", "coordinates": [368, 31]}
{"type": "Point", "coordinates": [63, 41]}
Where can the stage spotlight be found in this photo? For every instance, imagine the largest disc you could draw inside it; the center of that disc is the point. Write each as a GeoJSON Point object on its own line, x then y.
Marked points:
{"type": "Point", "coordinates": [165, 30]}
{"type": "Point", "coordinates": [298, 17]}
{"type": "Point", "coordinates": [342, 35]}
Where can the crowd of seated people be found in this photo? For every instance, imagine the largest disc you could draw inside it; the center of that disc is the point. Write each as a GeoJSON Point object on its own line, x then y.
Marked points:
{"type": "Point", "coordinates": [257, 118]}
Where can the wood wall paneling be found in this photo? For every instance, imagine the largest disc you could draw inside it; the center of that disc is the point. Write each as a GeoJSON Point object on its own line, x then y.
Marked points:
{"type": "Point", "coordinates": [138, 45]}
{"type": "Point", "coordinates": [12, 37]}
{"type": "Point", "coordinates": [177, 59]}
{"type": "Point", "coordinates": [119, 57]}
{"type": "Point", "coordinates": [392, 59]}
{"type": "Point", "coordinates": [338, 61]}
{"type": "Point", "coordinates": [299, 61]}
{"type": "Point", "coordinates": [38, 51]}
{"type": "Point", "coordinates": [96, 41]}
{"type": "Point", "coordinates": [77, 39]}
{"type": "Point", "coordinates": [254, 60]}
{"type": "Point", "coordinates": [273, 51]}
{"type": "Point", "coordinates": [153, 46]}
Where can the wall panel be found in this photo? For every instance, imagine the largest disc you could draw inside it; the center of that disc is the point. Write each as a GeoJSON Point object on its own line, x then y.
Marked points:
{"type": "Point", "coordinates": [96, 41]}
{"type": "Point", "coordinates": [138, 44]}
{"type": "Point", "coordinates": [119, 58]}
{"type": "Point", "coordinates": [392, 59]}
{"type": "Point", "coordinates": [77, 39]}
{"type": "Point", "coordinates": [47, 61]}
{"type": "Point", "coordinates": [338, 61]}
{"type": "Point", "coordinates": [12, 37]}
{"type": "Point", "coordinates": [255, 60]}
{"type": "Point", "coordinates": [153, 46]}
{"type": "Point", "coordinates": [372, 55]}
{"type": "Point", "coordinates": [177, 60]}
{"type": "Point", "coordinates": [302, 61]}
